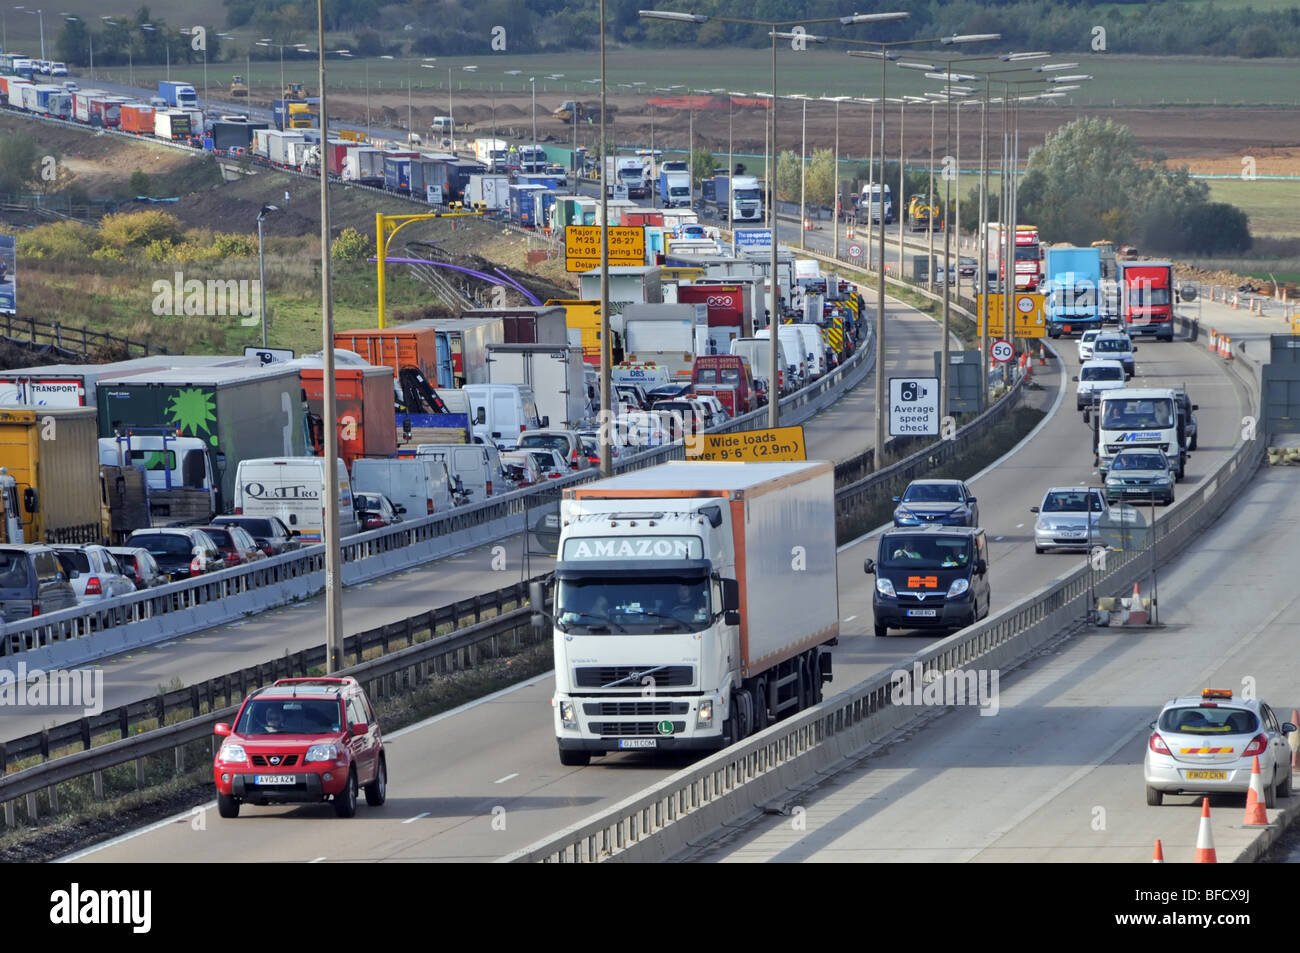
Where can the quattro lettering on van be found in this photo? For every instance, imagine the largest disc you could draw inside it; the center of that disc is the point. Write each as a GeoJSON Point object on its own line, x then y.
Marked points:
{"type": "Point", "coordinates": [258, 491]}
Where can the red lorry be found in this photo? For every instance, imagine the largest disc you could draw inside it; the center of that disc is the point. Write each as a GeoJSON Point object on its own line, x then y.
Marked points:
{"type": "Point", "coordinates": [1147, 298]}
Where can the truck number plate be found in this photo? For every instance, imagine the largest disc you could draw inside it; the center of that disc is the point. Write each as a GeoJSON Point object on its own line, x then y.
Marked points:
{"type": "Point", "coordinates": [269, 779]}
{"type": "Point", "coordinates": [625, 743]}
{"type": "Point", "coordinates": [921, 613]}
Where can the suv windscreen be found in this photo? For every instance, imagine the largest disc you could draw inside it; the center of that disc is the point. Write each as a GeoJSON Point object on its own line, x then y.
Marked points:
{"type": "Point", "coordinates": [1209, 721]}
{"type": "Point", "coordinates": [925, 552]}
{"type": "Point", "coordinates": [1101, 374]}
{"type": "Point", "coordinates": [301, 716]}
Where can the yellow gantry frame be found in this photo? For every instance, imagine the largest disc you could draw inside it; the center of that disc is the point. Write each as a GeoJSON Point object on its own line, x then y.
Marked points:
{"type": "Point", "coordinates": [386, 226]}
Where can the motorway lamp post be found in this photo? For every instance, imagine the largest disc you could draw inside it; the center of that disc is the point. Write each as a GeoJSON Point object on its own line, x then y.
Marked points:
{"type": "Point", "coordinates": [532, 83]}
{"type": "Point", "coordinates": [261, 263]}
{"type": "Point", "coordinates": [40, 14]}
{"type": "Point", "coordinates": [803, 175]}
{"type": "Point", "coordinates": [773, 26]}
{"type": "Point", "coordinates": [835, 183]}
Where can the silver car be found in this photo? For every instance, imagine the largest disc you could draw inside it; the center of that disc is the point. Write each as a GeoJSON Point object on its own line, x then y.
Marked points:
{"type": "Point", "coordinates": [1207, 745]}
{"type": "Point", "coordinates": [1068, 518]}
{"type": "Point", "coordinates": [94, 573]}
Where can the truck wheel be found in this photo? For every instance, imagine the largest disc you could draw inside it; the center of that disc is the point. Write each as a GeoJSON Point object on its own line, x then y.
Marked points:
{"type": "Point", "coordinates": [574, 759]}
{"type": "Point", "coordinates": [759, 694]}
{"type": "Point", "coordinates": [815, 668]}
{"type": "Point", "coordinates": [802, 685]}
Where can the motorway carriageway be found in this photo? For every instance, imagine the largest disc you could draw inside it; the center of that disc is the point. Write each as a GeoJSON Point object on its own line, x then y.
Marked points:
{"type": "Point", "coordinates": [839, 431]}
{"type": "Point", "coordinates": [485, 780]}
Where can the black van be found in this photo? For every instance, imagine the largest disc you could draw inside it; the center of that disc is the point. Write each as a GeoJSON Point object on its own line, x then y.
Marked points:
{"type": "Point", "coordinates": [32, 582]}
{"type": "Point", "coordinates": [930, 577]}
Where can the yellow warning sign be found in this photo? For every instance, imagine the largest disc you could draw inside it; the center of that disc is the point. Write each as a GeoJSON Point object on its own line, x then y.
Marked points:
{"type": "Point", "coordinates": [1030, 315]}
{"type": "Point", "coordinates": [582, 246]}
{"type": "Point", "coordinates": [749, 446]}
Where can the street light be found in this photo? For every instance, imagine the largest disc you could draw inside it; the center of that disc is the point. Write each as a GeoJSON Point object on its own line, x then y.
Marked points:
{"type": "Point", "coordinates": [835, 182]}
{"type": "Point", "coordinates": [774, 313]}
{"type": "Point", "coordinates": [261, 262]}
{"type": "Point", "coordinates": [41, 15]}
{"type": "Point", "coordinates": [532, 82]}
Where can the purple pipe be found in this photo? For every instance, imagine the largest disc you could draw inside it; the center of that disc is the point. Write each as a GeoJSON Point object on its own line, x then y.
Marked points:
{"type": "Point", "coordinates": [500, 276]}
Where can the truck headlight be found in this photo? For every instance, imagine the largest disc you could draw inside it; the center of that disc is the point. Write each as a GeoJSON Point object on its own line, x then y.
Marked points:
{"type": "Point", "coordinates": [885, 587]}
{"type": "Point", "coordinates": [705, 716]}
{"type": "Point", "coordinates": [568, 715]}
{"type": "Point", "coordinates": [958, 587]}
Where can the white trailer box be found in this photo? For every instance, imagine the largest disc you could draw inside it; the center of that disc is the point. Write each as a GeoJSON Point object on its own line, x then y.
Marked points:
{"type": "Point", "coordinates": [490, 191]}
{"type": "Point", "coordinates": [280, 146]}
{"type": "Point", "coordinates": [680, 578]}
{"type": "Point", "coordinates": [556, 375]}
{"type": "Point", "coordinates": [664, 335]}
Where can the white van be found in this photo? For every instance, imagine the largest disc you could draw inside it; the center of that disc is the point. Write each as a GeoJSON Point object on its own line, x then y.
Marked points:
{"type": "Point", "coordinates": [292, 489]}
{"type": "Point", "coordinates": [499, 413]}
{"type": "Point", "coordinates": [477, 465]}
{"type": "Point", "coordinates": [813, 345]}
{"type": "Point", "coordinates": [792, 354]}
{"type": "Point", "coordinates": [421, 485]}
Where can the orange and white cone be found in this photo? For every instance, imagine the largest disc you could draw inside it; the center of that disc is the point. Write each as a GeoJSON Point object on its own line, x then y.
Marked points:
{"type": "Point", "coordinates": [1137, 615]}
{"type": "Point", "coordinates": [1159, 856]}
{"type": "Point", "coordinates": [1204, 838]}
{"type": "Point", "coordinates": [1256, 816]}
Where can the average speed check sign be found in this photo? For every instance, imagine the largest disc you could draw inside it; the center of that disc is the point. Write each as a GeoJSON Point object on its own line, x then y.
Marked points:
{"type": "Point", "coordinates": [1002, 351]}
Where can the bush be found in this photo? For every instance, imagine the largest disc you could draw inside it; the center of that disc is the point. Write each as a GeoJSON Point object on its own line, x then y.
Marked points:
{"type": "Point", "coordinates": [138, 229]}
{"type": "Point", "coordinates": [139, 183]}
{"type": "Point", "coordinates": [234, 246]}
{"type": "Point", "coordinates": [351, 245]}
{"type": "Point", "coordinates": [59, 241]}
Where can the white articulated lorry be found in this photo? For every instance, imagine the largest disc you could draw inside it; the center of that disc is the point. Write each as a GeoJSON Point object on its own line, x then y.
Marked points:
{"type": "Point", "coordinates": [693, 603]}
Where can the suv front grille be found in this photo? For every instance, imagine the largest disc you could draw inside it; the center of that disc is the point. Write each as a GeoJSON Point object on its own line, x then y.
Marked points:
{"type": "Point", "coordinates": [629, 729]}
{"type": "Point", "coordinates": [669, 676]}
{"type": "Point", "coordinates": [264, 761]}
{"type": "Point", "coordinates": [636, 708]}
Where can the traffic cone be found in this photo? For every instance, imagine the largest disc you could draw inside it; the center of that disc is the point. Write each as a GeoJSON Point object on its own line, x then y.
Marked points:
{"type": "Point", "coordinates": [1159, 856]}
{"type": "Point", "coordinates": [1204, 838]}
{"type": "Point", "coordinates": [1042, 359]}
{"type": "Point", "coordinates": [1137, 614]}
{"type": "Point", "coordinates": [1256, 816]}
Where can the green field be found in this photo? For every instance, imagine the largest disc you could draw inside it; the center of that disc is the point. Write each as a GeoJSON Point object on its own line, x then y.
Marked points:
{"type": "Point", "coordinates": [1271, 204]}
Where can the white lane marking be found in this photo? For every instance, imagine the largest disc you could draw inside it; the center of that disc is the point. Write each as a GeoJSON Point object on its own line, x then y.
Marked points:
{"type": "Point", "coordinates": [316, 860]}
{"type": "Point", "coordinates": [468, 705]}
{"type": "Point", "coordinates": [850, 618]}
{"type": "Point", "coordinates": [998, 539]}
{"type": "Point", "coordinates": [1020, 526]}
{"type": "Point", "coordinates": [412, 820]}
{"type": "Point", "coordinates": [506, 778]}
{"type": "Point", "coordinates": [186, 815]}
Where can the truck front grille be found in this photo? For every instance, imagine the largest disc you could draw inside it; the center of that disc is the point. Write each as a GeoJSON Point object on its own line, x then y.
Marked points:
{"type": "Point", "coordinates": [632, 729]}
{"type": "Point", "coordinates": [670, 676]}
{"type": "Point", "coordinates": [611, 709]}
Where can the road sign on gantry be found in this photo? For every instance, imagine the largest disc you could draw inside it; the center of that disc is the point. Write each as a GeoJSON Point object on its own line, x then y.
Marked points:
{"type": "Point", "coordinates": [582, 246]}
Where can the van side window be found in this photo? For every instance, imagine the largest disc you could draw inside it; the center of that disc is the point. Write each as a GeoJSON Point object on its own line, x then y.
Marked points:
{"type": "Point", "coordinates": [480, 415]}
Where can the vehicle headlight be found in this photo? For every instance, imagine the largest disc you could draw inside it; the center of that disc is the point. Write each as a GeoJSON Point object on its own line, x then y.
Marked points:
{"type": "Point", "coordinates": [568, 715]}
{"type": "Point", "coordinates": [1113, 481]}
{"type": "Point", "coordinates": [885, 587]}
{"type": "Point", "coordinates": [705, 716]}
{"type": "Point", "coordinates": [958, 587]}
{"type": "Point", "coordinates": [906, 516]}
{"type": "Point", "coordinates": [1043, 526]}
{"type": "Point", "coordinates": [1162, 480]}
{"type": "Point", "coordinates": [326, 752]}
{"type": "Point", "coordinates": [232, 753]}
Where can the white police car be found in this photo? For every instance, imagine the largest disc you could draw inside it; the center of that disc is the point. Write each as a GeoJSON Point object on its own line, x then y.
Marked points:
{"type": "Point", "coordinates": [1207, 745]}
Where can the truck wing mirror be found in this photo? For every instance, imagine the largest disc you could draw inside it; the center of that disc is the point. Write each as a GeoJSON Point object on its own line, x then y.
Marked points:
{"type": "Point", "coordinates": [731, 598]}
{"type": "Point", "coordinates": [537, 600]}
{"type": "Point", "coordinates": [31, 500]}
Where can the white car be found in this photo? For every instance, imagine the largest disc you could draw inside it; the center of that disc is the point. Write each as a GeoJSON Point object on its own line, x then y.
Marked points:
{"type": "Point", "coordinates": [58, 69]}
{"type": "Point", "coordinates": [1207, 745]}
{"type": "Point", "coordinates": [1085, 344]}
{"type": "Point", "coordinates": [549, 462]}
{"type": "Point", "coordinates": [94, 573]}
{"type": "Point", "coordinates": [1095, 377]}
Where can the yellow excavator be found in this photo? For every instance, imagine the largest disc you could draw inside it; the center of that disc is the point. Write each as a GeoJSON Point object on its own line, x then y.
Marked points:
{"type": "Point", "coordinates": [921, 214]}
{"type": "Point", "coordinates": [238, 87]}
{"type": "Point", "coordinates": [294, 91]}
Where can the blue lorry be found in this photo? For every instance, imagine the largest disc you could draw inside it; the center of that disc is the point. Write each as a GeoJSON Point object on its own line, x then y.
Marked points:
{"type": "Point", "coordinates": [178, 95]}
{"type": "Point", "coordinates": [1072, 289]}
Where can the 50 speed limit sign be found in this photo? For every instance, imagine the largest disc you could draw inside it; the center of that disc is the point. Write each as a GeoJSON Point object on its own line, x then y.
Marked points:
{"type": "Point", "coordinates": [1002, 351]}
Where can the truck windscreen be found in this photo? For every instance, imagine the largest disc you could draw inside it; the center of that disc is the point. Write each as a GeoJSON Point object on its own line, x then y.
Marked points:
{"type": "Point", "coordinates": [1144, 414]}
{"type": "Point", "coordinates": [1140, 296]}
{"type": "Point", "coordinates": [637, 604]}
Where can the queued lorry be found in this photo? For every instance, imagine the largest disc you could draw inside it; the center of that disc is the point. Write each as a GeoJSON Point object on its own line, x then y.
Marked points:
{"type": "Point", "coordinates": [740, 200]}
{"type": "Point", "coordinates": [290, 114]}
{"type": "Point", "coordinates": [50, 454]}
{"type": "Point", "coordinates": [363, 405]}
{"type": "Point", "coordinates": [178, 95]}
{"type": "Point", "coordinates": [493, 153]}
{"type": "Point", "coordinates": [1146, 290]}
{"type": "Point", "coordinates": [450, 352]}
{"type": "Point", "coordinates": [1072, 290]}
{"type": "Point", "coordinates": [556, 374]}
{"type": "Point", "coordinates": [674, 187]}
{"type": "Point", "coordinates": [364, 165]}
{"type": "Point", "coordinates": [178, 471]}
{"type": "Point", "coordinates": [673, 623]}
{"type": "Point", "coordinates": [664, 335]}
{"type": "Point", "coordinates": [236, 412]}
{"type": "Point", "coordinates": [171, 124]}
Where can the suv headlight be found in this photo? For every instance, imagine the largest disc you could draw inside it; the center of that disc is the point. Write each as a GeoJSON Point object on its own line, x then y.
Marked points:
{"type": "Point", "coordinates": [232, 753]}
{"type": "Point", "coordinates": [325, 752]}
{"type": "Point", "coordinates": [958, 587]}
{"type": "Point", "coordinates": [885, 587]}
{"type": "Point", "coordinates": [568, 715]}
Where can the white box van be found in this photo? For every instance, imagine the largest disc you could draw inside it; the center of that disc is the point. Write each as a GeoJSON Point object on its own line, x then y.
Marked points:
{"type": "Point", "coordinates": [813, 345]}
{"type": "Point", "coordinates": [791, 346]}
{"type": "Point", "coordinates": [477, 465]}
{"type": "Point", "coordinates": [421, 485]}
{"type": "Point", "coordinates": [499, 413]}
{"type": "Point", "coordinates": [293, 490]}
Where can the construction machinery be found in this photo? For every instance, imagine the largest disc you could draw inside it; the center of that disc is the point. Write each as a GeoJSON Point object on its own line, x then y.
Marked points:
{"type": "Point", "coordinates": [921, 214]}
{"type": "Point", "coordinates": [571, 110]}
{"type": "Point", "coordinates": [238, 87]}
{"type": "Point", "coordinates": [294, 91]}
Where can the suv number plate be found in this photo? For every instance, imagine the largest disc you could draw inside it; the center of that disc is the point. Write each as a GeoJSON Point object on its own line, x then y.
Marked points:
{"type": "Point", "coordinates": [268, 779]}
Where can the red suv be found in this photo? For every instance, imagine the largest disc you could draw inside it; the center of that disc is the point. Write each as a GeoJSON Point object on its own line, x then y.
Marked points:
{"type": "Point", "coordinates": [302, 739]}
